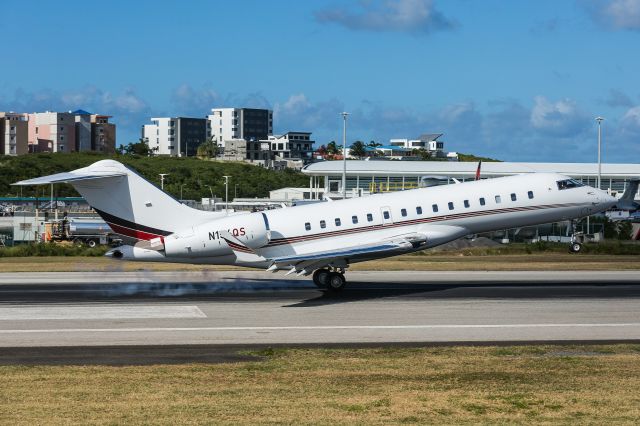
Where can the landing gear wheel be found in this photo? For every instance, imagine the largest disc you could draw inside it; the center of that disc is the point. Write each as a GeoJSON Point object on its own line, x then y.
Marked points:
{"type": "Point", "coordinates": [575, 247]}
{"type": "Point", "coordinates": [336, 282]}
{"type": "Point", "coordinates": [321, 277]}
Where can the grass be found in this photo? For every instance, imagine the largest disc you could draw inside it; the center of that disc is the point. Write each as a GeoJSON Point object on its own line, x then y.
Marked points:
{"type": "Point", "coordinates": [443, 261]}
{"type": "Point", "coordinates": [450, 385]}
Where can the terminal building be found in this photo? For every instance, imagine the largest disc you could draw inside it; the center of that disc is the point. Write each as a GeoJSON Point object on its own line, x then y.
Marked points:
{"type": "Point", "coordinates": [370, 177]}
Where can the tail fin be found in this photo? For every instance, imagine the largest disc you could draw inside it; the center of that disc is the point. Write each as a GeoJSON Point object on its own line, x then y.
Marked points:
{"type": "Point", "coordinates": [132, 206]}
{"type": "Point", "coordinates": [627, 201]}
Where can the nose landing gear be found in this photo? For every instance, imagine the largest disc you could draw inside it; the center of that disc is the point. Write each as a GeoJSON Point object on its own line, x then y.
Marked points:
{"type": "Point", "coordinates": [575, 246]}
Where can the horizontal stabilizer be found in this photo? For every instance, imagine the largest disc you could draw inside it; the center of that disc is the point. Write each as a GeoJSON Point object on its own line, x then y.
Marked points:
{"type": "Point", "coordinates": [74, 176]}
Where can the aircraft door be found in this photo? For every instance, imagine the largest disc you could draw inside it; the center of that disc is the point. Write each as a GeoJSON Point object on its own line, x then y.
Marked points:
{"type": "Point", "coordinates": [387, 219]}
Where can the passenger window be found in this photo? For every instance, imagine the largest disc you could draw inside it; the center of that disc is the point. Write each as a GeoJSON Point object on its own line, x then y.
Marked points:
{"type": "Point", "coordinates": [323, 224]}
{"type": "Point", "coordinates": [307, 226]}
{"type": "Point", "coordinates": [498, 199]}
{"type": "Point", "coordinates": [450, 205]}
{"type": "Point", "coordinates": [482, 202]}
{"type": "Point", "coordinates": [530, 194]}
{"type": "Point", "coordinates": [435, 208]}
{"type": "Point", "coordinates": [337, 221]}
{"type": "Point", "coordinates": [369, 217]}
{"type": "Point", "coordinates": [419, 210]}
{"type": "Point", "coordinates": [513, 197]}
{"type": "Point", "coordinates": [385, 214]}
{"type": "Point", "coordinates": [403, 212]}
{"type": "Point", "coordinates": [466, 204]}
{"type": "Point", "coordinates": [354, 219]}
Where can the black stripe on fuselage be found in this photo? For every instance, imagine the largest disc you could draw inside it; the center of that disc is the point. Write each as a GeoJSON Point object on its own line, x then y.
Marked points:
{"type": "Point", "coordinates": [131, 225]}
{"type": "Point", "coordinates": [455, 216]}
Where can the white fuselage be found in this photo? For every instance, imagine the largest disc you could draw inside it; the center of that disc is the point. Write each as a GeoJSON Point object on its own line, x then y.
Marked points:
{"type": "Point", "coordinates": [441, 214]}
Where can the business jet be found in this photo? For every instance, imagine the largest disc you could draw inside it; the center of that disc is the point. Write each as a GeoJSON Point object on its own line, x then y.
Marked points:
{"type": "Point", "coordinates": [321, 239]}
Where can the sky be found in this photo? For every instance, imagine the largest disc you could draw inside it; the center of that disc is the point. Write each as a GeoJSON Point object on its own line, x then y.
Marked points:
{"type": "Point", "coordinates": [517, 80]}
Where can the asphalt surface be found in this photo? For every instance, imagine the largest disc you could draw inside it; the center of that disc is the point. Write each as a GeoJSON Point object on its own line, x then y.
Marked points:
{"type": "Point", "coordinates": [149, 317]}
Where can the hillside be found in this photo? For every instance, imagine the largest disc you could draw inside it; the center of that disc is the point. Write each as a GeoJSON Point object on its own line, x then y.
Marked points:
{"type": "Point", "coordinates": [196, 175]}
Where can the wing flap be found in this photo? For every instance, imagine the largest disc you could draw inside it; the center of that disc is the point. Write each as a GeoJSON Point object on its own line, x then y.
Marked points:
{"type": "Point", "coordinates": [318, 259]}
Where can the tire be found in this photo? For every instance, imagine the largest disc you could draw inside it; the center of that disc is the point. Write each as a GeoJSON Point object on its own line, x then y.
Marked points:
{"type": "Point", "coordinates": [575, 247]}
{"type": "Point", "coordinates": [336, 282]}
{"type": "Point", "coordinates": [92, 243]}
{"type": "Point", "coordinates": [320, 278]}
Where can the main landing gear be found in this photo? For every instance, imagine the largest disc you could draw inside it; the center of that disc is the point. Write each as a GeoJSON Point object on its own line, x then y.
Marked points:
{"type": "Point", "coordinates": [331, 280]}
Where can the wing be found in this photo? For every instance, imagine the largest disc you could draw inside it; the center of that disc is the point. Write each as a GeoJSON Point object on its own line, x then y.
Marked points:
{"type": "Point", "coordinates": [304, 264]}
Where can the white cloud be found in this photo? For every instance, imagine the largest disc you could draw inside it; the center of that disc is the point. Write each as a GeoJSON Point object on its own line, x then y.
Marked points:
{"type": "Point", "coordinates": [412, 16]}
{"type": "Point", "coordinates": [561, 118]}
{"type": "Point", "coordinates": [616, 14]}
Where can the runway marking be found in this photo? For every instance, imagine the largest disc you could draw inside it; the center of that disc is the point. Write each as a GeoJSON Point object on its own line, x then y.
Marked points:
{"type": "Point", "coordinates": [320, 327]}
{"type": "Point", "coordinates": [99, 312]}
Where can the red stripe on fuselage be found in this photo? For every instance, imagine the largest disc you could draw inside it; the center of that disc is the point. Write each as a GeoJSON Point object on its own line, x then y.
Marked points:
{"type": "Point", "coordinates": [133, 233]}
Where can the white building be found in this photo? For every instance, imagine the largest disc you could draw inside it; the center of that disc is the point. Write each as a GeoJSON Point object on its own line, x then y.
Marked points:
{"type": "Point", "coordinates": [179, 136]}
{"type": "Point", "coordinates": [367, 177]}
{"type": "Point", "coordinates": [295, 145]}
{"type": "Point", "coordinates": [427, 141]}
{"type": "Point", "coordinates": [239, 123]}
{"type": "Point", "coordinates": [160, 136]}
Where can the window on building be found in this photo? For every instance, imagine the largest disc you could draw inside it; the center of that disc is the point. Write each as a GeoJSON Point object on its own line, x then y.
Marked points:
{"type": "Point", "coordinates": [403, 212]}
{"type": "Point", "coordinates": [482, 202]}
{"type": "Point", "coordinates": [61, 128]}
{"type": "Point", "coordinates": [418, 210]}
{"type": "Point", "coordinates": [61, 148]}
{"type": "Point", "coordinates": [354, 219]}
{"type": "Point", "coordinates": [466, 204]}
{"type": "Point", "coordinates": [369, 217]}
{"type": "Point", "coordinates": [530, 194]}
{"type": "Point", "coordinates": [513, 197]}
{"type": "Point", "coordinates": [307, 226]}
{"type": "Point", "coordinates": [338, 221]}
{"type": "Point", "coordinates": [435, 208]}
{"type": "Point", "coordinates": [36, 130]}
{"type": "Point", "coordinates": [498, 199]}
{"type": "Point", "coordinates": [450, 204]}
{"type": "Point", "coordinates": [61, 137]}
{"type": "Point", "coordinates": [323, 224]}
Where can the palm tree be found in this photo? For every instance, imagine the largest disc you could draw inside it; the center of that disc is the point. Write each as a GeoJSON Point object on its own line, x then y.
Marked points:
{"type": "Point", "coordinates": [358, 149]}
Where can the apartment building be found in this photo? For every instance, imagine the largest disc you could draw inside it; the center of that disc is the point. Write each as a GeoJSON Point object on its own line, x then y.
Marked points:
{"type": "Point", "coordinates": [177, 136]}
{"type": "Point", "coordinates": [250, 124]}
{"type": "Point", "coordinates": [13, 134]}
{"type": "Point", "coordinates": [297, 145]}
{"type": "Point", "coordinates": [103, 134]}
{"type": "Point", "coordinates": [52, 132]}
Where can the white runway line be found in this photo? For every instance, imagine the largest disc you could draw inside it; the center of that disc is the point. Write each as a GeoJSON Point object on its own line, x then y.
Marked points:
{"type": "Point", "coordinates": [320, 327]}
{"type": "Point", "coordinates": [98, 312]}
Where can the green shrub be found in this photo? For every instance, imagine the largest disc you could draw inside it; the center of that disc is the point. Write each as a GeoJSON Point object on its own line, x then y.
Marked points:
{"type": "Point", "coordinates": [51, 249]}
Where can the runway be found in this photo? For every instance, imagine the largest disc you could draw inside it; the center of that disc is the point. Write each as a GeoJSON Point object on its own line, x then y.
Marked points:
{"type": "Point", "coordinates": [121, 309]}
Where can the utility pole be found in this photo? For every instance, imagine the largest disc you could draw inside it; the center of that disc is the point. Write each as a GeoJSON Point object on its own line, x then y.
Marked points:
{"type": "Point", "coordinates": [344, 155]}
{"type": "Point", "coordinates": [599, 120]}
{"type": "Point", "coordinates": [162, 175]}
{"type": "Point", "coordinates": [226, 194]}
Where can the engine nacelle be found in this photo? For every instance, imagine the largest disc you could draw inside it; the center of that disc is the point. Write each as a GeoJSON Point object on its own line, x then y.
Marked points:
{"type": "Point", "coordinates": [210, 239]}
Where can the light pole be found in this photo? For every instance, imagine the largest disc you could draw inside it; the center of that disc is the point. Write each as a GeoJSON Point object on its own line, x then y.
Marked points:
{"type": "Point", "coordinates": [599, 120]}
{"type": "Point", "coordinates": [344, 155]}
{"type": "Point", "coordinates": [181, 186]}
{"type": "Point", "coordinates": [162, 175]}
{"type": "Point", "coordinates": [235, 192]}
{"type": "Point", "coordinates": [226, 194]}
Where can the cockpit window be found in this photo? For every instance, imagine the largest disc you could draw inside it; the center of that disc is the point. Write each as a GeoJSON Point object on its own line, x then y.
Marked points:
{"type": "Point", "coordinates": [569, 183]}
